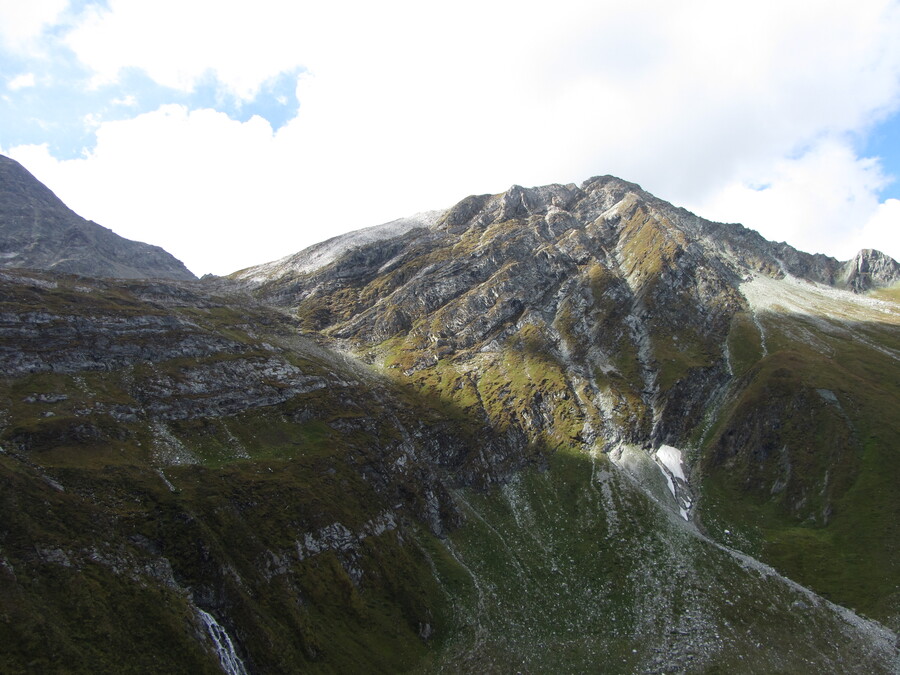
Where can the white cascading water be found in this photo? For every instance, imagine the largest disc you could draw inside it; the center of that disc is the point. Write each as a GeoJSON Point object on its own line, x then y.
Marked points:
{"type": "Point", "coordinates": [228, 658]}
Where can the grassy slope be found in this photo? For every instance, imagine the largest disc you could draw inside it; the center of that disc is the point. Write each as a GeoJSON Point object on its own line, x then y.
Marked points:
{"type": "Point", "coordinates": [804, 465]}
{"type": "Point", "coordinates": [79, 577]}
{"type": "Point", "coordinates": [106, 546]}
{"type": "Point", "coordinates": [575, 569]}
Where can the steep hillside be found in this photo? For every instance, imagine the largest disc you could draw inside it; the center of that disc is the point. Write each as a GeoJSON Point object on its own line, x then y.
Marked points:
{"type": "Point", "coordinates": [169, 454]}
{"type": "Point", "coordinates": [38, 231]}
{"type": "Point", "coordinates": [175, 458]}
{"type": "Point", "coordinates": [595, 316]}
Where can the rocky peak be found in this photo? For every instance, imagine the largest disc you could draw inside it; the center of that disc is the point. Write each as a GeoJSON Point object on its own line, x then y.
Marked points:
{"type": "Point", "coordinates": [869, 269]}
{"type": "Point", "coordinates": [602, 278]}
{"type": "Point", "coordinates": [519, 202]}
{"type": "Point", "coordinates": [38, 231]}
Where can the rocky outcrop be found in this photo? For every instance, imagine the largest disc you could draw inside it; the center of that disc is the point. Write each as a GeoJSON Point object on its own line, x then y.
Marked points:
{"type": "Point", "coordinates": [603, 278]}
{"type": "Point", "coordinates": [869, 269]}
{"type": "Point", "coordinates": [321, 254]}
{"type": "Point", "coordinates": [38, 231]}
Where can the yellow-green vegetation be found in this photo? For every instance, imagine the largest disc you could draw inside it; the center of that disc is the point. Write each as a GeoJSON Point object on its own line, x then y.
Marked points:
{"type": "Point", "coordinates": [891, 293]}
{"type": "Point", "coordinates": [650, 246]}
{"type": "Point", "coordinates": [114, 524]}
{"type": "Point", "coordinates": [677, 354]}
{"type": "Point", "coordinates": [94, 596]}
{"type": "Point", "coordinates": [98, 537]}
{"type": "Point", "coordinates": [522, 386]}
{"type": "Point", "coordinates": [71, 296]}
{"type": "Point", "coordinates": [320, 311]}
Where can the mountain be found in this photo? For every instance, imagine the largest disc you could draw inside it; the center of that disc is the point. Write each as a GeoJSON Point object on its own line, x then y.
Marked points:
{"type": "Point", "coordinates": [603, 318]}
{"type": "Point", "coordinates": [38, 231]}
{"type": "Point", "coordinates": [557, 429]}
{"type": "Point", "coordinates": [869, 269]}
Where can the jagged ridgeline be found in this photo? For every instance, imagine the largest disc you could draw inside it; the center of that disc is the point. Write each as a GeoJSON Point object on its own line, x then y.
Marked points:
{"type": "Point", "coordinates": [555, 430]}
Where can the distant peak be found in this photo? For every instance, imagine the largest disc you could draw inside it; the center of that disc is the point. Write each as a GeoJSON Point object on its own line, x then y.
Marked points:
{"type": "Point", "coordinates": [869, 269]}
{"type": "Point", "coordinates": [40, 232]}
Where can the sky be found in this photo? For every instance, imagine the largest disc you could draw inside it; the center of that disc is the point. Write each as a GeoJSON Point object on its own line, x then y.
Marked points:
{"type": "Point", "coordinates": [232, 132]}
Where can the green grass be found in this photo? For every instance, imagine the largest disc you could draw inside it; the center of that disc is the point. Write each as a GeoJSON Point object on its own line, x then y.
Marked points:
{"type": "Point", "coordinates": [891, 293]}
{"type": "Point", "coordinates": [744, 344]}
{"type": "Point", "coordinates": [552, 575]}
{"type": "Point", "coordinates": [803, 465]}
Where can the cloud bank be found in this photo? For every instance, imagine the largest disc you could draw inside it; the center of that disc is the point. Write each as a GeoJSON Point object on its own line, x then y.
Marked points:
{"type": "Point", "coordinates": [746, 113]}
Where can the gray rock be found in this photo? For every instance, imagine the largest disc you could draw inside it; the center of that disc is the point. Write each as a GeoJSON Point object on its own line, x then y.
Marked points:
{"type": "Point", "coordinates": [38, 231]}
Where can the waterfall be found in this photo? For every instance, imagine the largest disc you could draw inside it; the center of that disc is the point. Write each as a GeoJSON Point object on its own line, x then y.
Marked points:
{"type": "Point", "coordinates": [228, 658]}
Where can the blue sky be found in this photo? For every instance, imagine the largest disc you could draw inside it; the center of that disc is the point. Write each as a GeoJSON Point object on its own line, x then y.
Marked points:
{"type": "Point", "coordinates": [232, 133]}
{"type": "Point", "coordinates": [60, 110]}
{"type": "Point", "coordinates": [883, 141]}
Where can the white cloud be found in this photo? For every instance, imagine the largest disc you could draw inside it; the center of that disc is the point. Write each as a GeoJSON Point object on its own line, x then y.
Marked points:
{"type": "Point", "coordinates": [819, 202]}
{"type": "Point", "coordinates": [881, 231]}
{"type": "Point", "coordinates": [23, 20]}
{"type": "Point", "coordinates": [21, 82]}
{"type": "Point", "coordinates": [178, 43]}
{"type": "Point", "coordinates": [409, 106]}
{"type": "Point", "coordinates": [198, 183]}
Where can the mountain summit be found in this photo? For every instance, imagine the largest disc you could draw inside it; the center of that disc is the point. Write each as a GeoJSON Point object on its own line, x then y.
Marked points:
{"type": "Point", "coordinates": [570, 207]}
{"type": "Point", "coordinates": [38, 231]}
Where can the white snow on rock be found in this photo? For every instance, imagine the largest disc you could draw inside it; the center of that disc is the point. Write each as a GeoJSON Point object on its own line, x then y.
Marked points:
{"type": "Point", "coordinates": [319, 255]}
{"type": "Point", "coordinates": [670, 484]}
{"type": "Point", "coordinates": [671, 459]}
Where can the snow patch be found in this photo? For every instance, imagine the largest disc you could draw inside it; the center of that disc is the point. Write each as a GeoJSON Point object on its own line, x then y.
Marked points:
{"type": "Point", "coordinates": [671, 459]}
{"type": "Point", "coordinates": [319, 255]}
{"type": "Point", "coordinates": [670, 484]}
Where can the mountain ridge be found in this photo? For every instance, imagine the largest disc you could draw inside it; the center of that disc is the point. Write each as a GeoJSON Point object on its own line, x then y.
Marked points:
{"type": "Point", "coordinates": [38, 231]}
{"type": "Point", "coordinates": [523, 202]}
{"type": "Point", "coordinates": [603, 318]}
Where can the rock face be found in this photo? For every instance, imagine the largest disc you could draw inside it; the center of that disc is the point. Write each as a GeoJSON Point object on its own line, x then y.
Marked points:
{"type": "Point", "coordinates": [554, 430]}
{"type": "Point", "coordinates": [626, 300]}
{"type": "Point", "coordinates": [322, 254]}
{"type": "Point", "coordinates": [38, 231]}
{"type": "Point", "coordinates": [869, 269]}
